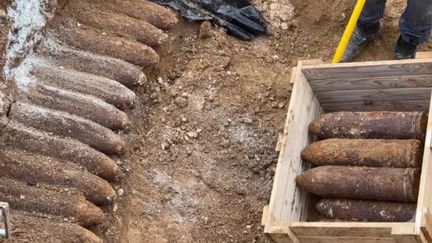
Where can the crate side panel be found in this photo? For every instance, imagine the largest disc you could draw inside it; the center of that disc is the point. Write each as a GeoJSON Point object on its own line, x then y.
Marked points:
{"type": "Point", "coordinates": [411, 105]}
{"type": "Point", "coordinates": [316, 231]}
{"type": "Point", "coordinates": [368, 69]}
{"type": "Point", "coordinates": [424, 203]}
{"type": "Point", "coordinates": [346, 240]}
{"type": "Point", "coordinates": [378, 95]}
{"type": "Point", "coordinates": [366, 83]}
{"type": "Point", "coordinates": [287, 201]}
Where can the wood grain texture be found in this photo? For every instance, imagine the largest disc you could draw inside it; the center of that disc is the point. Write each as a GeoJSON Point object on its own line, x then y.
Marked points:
{"type": "Point", "coordinates": [425, 191]}
{"type": "Point", "coordinates": [374, 95]}
{"type": "Point", "coordinates": [287, 201]}
{"type": "Point", "coordinates": [368, 69]}
{"type": "Point", "coordinates": [346, 240]}
{"type": "Point", "coordinates": [409, 105]}
{"type": "Point", "coordinates": [366, 83]}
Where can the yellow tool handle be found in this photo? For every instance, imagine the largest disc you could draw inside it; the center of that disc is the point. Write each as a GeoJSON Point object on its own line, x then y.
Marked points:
{"type": "Point", "coordinates": [348, 31]}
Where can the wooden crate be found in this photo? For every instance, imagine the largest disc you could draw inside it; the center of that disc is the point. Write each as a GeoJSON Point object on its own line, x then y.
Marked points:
{"type": "Point", "coordinates": [369, 86]}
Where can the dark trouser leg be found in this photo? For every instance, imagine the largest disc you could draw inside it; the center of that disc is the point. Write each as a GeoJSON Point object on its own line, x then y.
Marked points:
{"type": "Point", "coordinates": [372, 12]}
{"type": "Point", "coordinates": [416, 21]}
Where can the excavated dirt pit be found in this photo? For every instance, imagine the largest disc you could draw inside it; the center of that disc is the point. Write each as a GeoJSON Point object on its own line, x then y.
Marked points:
{"type": "Point", "coordinates": [199, 154]}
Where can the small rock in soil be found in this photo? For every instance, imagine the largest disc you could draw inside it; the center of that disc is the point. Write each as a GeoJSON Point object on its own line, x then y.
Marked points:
{"type": "Point", "coordinates": [193, 135]}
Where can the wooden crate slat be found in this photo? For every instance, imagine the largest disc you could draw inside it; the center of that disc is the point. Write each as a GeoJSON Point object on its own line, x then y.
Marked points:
{"type": "Point", "coordinates": [364, 83]}
{"type": "Point", "coordinates": [288, 203]}
{"type": "Point", "coordinates": [368, 69]}
{"type": "Point", "coordinates": [314, 231]}
{"type": "Point", "coordinates": [409, 105]}
{"type": "Point", "coordinates": [374, 95]}
{"type": "Point", "coordinates": [424, 203]}
{"type": "Point", "coordinates": [346, 240]}
{"type": "Point", "coordinates": [407, 239]}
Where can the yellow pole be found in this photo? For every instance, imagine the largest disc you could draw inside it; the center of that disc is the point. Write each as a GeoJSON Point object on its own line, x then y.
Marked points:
{"type": "Point", "coordinates": [348, 31]}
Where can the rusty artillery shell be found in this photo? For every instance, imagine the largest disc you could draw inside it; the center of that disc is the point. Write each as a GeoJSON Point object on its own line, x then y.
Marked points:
{"type": "Point", "coordinates": [106, 89]}
{"type": "Point", "coordinates": [35, 169]}
{"type": "Point", "coordinates": [29, 228]}
{"type": "Point", "coordinates": [371, 211]}
{"type": "Point", "coordinates": [365, 152]}
{"type": "Point", "coordinates": [90, 39]}
{"type": "Point", "coordinates": [66, 125]}
{"type": "Point", "coordinates": [152, 13]}
{"type": "Point", "coordinates": [112, 68]}
{"type": "Point", "coordinates": [43, 200]}
{"type": "Point", "coordinates": [119, 23]}
{"type": "Point", "coordinates": [82, 105]}
{"type": "Point", "coordinates": [381, 125]}
{"type": "Point", "coordinates": [19, 136]}
{"type": "Point", "coordinates": [386, 184]}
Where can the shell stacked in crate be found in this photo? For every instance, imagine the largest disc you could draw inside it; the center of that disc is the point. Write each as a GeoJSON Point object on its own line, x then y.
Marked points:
{"type": "Point", "coordinates": [372, 157]}
{"type": "Point", "coordinates": [393, 169]}
{"type": "Point", "coordinates": [68, 70]}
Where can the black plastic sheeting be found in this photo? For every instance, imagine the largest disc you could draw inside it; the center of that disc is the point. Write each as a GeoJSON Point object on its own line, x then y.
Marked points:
{"type": "Point", "coordinates": [239, 17]}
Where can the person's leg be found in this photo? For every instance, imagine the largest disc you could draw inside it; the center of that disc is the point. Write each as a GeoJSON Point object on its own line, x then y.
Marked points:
{"type": "Point", "coordinates": [372, 12]}
{"type": "Point", "coordinates": [416, 21]}
{"type": "Point", "coordinates": [367, 29]}
{"type": "Point", "coordinates": [415, 27]}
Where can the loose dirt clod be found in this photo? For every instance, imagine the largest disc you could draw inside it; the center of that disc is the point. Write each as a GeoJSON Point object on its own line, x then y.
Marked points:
{"type": "Point", "coordinates": [386, 184]}
{"type": "Point", "coordinates": [365, 152]}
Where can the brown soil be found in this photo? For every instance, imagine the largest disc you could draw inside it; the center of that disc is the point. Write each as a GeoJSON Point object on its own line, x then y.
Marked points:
{"type": "Point", "coordinates": [201, 154]}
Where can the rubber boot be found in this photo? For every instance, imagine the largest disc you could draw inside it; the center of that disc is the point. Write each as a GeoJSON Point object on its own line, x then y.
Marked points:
{"type": "Point", "coordinates": [404, 50]}
{"type": "Point", "coordinates": [363, 34]}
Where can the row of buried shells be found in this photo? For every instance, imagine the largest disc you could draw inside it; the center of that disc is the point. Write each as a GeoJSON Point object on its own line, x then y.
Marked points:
{"type": "Point", "coordinates": [62, 128]}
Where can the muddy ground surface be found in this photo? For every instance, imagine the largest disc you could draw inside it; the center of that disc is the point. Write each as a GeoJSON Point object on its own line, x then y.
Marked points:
{"type": "Point", "coordinates": [201, 153]}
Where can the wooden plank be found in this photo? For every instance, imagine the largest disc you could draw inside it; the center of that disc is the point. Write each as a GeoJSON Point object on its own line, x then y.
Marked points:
{"type": "Point", "coordinates": [279, 142]}
{"type": "Point", "coordinates": [281, 233]}
{"type": "Point", "coordinates": [314, 231]}
{"type": "Point", "coordinates": [294, 73]}
{"type": "Point", "coordinates": [345, 240]}
{"type": "Point", "coordinates": [410, 105]}
{"type": "Point", "coordinates": [286, 202]}
{"type": "Point", "coordinates": [366, 83]}
{"type": "Point", "coordinates": [368, 69]}
{"type": "Point", "coordinates": [307, 112]}
{"type": "Point", "coordinates": [423, 55]}
{"type": "Point", "coordinates": [374, 95]}
{"type": "Point", "coordinates": [427, 227]}
{"type": "Point", "coordinates": [264, 215]}
{"type": "Point", "coordinates": [406, 239]}
{"type": "Point", "coordinates": [424, 202]}
{"type": "Point", "coordinates": [349, 228]}
{"type": "Point", "coordinates": [282, 238]}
